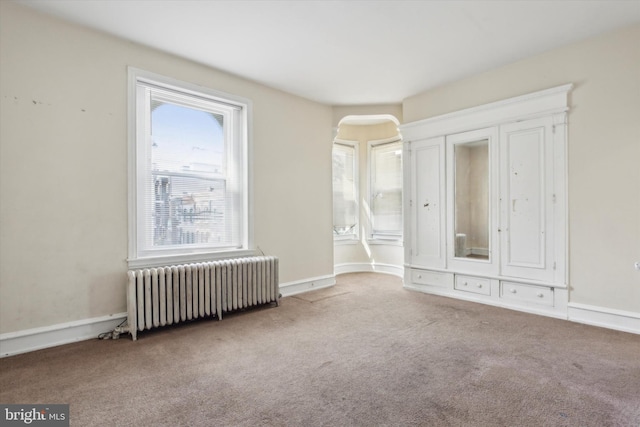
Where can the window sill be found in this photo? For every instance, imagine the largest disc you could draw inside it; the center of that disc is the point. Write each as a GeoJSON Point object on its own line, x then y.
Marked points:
{"type": "Point", "coordinates": [388, 242]}
{"type": "Point", "coordinates": [163, 261]}
{"type": "Point", "coordinates": [353, 241]}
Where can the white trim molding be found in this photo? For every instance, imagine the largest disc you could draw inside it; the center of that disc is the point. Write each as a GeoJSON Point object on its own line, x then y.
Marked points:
{"type": "Point", "coordinates": [369, 267]}
{"type": "Point", "coordinates": [300, 286]}
{"type": "Point", "coordinates": [13, 343]}
{"type": "Point", "coordinates": [373, 119]}
{"type": "Point", "coordinates": [625, 321]}
{"type": "Point", "coordinates": [237, 113]}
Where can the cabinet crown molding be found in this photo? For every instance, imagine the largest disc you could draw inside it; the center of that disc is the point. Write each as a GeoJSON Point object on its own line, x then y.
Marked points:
{"type": "Point", "coordinates": [541, 103]}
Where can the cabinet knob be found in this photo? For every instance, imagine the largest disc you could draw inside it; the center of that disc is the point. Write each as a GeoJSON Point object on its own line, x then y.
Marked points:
{"type": "Point", "coordinates": [465, 283]}
{"type": "Point", "coordinates": [540, 294]}
{"type": "Point", "coordinates": [419, 276]}
{"type": "Point", "coordinates": [513, 291]}
{"type": "Point", "coordinates": [479, 285]}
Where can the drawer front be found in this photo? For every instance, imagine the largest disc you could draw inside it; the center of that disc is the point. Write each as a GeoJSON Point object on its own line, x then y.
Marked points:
{"type": "Point", "coordinates": [433, 278]}
{"type": "Point", "coordinates": [472, 284]}
{"type": "Point", "coordinates": [526, 293]}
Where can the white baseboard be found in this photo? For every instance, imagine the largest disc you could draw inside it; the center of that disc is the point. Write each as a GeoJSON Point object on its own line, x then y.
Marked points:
{"type": "Point", "coordinates": [625, 321]}
{"type": "Point", "coordinates": [24, 341]}
{"type": "Point", "coordinates": [364, 267]}
{"type": "Point", "coordinates": [13, 343]}
{"type": "Point", "coordinates": [299, 286]}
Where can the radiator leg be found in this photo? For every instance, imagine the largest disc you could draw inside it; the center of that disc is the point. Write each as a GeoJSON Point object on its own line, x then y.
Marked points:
{"type": "Point", "coordinates": [132, 331]}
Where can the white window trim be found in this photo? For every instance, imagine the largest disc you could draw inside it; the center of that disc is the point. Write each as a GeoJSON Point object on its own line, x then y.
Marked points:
{"type": "Point", "coordinates": [379, 239]}
{"type": "Point", "coordinates": [352, 238]}
{"type": "Point", "coordinates": [134, 259]}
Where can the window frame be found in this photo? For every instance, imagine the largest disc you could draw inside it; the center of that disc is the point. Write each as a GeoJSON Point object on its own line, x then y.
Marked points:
{"type": "Point", "coordinates": [355, 236]}
{"type": "Point", "coordinates": [374, 237]}
{"type": "Point", "coordinates": [138, 257]}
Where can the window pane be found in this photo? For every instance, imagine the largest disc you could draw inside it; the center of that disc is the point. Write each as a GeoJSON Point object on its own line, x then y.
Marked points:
{"type": "Point", "coordinates": [345, 207]}
{"type": "Point", "coordinates": [189, 211]}
{"type": "Point", "coordinates": [186, 140]}
{"type": "Point", "coordinates": [386, 189]}
{"type": "Point", "coordinates": [190, 179]}
{"type": "Point", "coordinates": [188, 167]}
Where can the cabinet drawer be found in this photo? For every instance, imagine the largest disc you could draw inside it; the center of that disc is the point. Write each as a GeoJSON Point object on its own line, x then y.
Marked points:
{"type": "Point", "coordinates": [434, 278]}
{"type": "Point", "coordinates": [526, 293]}
{"type": "Point", "coordinates": [476, 285]}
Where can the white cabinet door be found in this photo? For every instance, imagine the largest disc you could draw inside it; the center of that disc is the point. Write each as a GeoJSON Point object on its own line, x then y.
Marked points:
{"type": "Point", "coordinates": [427, 207]}
{"type": "Point", "coordinates": [527, 199]}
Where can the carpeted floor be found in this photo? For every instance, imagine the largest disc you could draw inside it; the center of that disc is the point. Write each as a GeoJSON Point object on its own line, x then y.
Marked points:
{"type": "Point", "coordinates": [363, 353]}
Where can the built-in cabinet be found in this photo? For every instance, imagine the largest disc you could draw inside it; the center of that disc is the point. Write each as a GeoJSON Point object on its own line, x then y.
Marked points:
{"type": "Point", "coordinates": [485, 205]}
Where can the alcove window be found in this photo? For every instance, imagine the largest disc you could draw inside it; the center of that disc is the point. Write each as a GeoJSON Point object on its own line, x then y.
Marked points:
{"type": "Point", "coordinates": [345, 191]}
{"type": "Point", "coordinates": [385, 190]}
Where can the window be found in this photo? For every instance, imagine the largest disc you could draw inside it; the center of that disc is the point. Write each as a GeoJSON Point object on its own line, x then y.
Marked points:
{"type": "Point", "coordinates": [345, 191]}
{"type": "Point", "coordinates": [189, 178]}
{"type": "Point", "coordinates": [385, 189]}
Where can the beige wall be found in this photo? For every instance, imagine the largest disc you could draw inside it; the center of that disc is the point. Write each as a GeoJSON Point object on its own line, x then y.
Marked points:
{"type": "Point", "coordinates": [63, 169]}
{"type": "Point", "coordinates": [363, 252]}
{"type": "Point", "coordinates": [604, 153]}
{"type": "Point", "coordinates": [63, 164]}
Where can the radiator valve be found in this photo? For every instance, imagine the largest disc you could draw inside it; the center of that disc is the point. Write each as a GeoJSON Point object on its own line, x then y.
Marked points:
{"type": "Point", "coordinates": [115, 334]}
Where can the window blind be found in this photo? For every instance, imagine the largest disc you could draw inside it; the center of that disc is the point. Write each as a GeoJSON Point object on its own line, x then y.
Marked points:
{"type": "Point", "coordinates": [345, 204]}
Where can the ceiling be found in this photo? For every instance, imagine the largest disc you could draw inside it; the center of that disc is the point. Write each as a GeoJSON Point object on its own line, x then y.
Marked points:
{"type": "Point", "coordinates": [350, 52]}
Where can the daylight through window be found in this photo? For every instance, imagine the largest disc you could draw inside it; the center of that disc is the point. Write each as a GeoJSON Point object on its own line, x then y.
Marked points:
{"type": "Point", "coordinates": [191, 183]}
{"type": "Point", "coordinates": [385, 162]}
{"type": "Point", "coordinates": [345, 191]}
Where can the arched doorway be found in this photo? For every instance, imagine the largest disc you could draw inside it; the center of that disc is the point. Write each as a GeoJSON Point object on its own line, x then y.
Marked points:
{"type": "Point", "coordinates": [367, 184]}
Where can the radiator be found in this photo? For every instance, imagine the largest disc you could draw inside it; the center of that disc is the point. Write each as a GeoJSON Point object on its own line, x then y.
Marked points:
{"type": "Point", "coordinates": [168, 295]}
